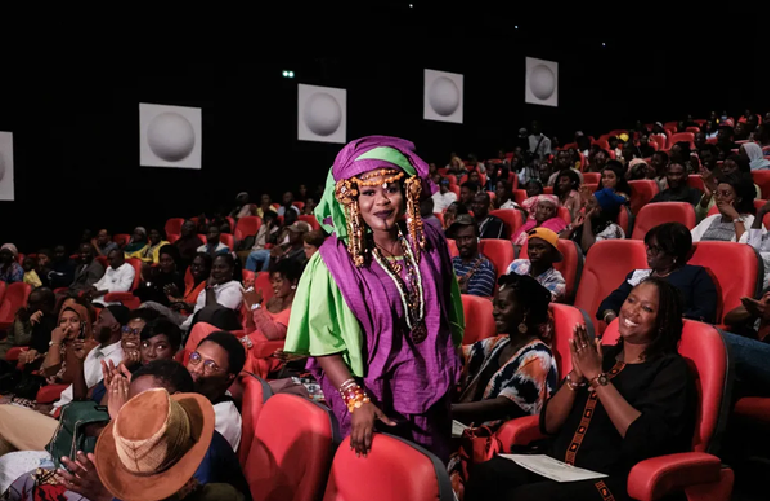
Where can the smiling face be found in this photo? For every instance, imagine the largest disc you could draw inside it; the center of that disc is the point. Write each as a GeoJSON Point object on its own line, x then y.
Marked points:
{"type": "Point", "coordinates": [381, 204]}
{"type": "Point", "coordinates": [638, 314]}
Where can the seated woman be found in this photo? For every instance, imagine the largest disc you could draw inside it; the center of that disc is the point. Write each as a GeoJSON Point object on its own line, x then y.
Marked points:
{"type": "Point", "coordinates": [642, 404]}
{"type": "Point", "coordinates": [543, 251]}
{"type": "Point", "coordinates": [510, 375]}
{"type": "Point", "coordinates": [543, 214]}
{"type": "Point", "coordinates": [504, 196]}
{"type": "Point", "coordinates": [450, 214]}
{"type": "Point", "coordinates": [668, 248]}
{"type": "Point", "coordinates": [566, 190]}
{"type": "Point", "coordinates": [599, 222]}
{"type": "Point", "coordinates": [151, 252]}
{"type": "Point", "coordinates": [735, 201]}
{"type": "Point", "coordinates": [221, 291]}
{"type": "Point", "coordinates": [272, 319]}
{"type": "Point", "coordinates": [613, 177]}
{"type": "Point", "coordinates": [734, 165]}
{"type": "Point", "coordinates": [154, 280]}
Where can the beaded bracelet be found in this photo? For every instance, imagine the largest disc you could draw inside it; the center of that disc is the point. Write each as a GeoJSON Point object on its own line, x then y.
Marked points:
{"type": "Point", "coordinates": [353, 395]}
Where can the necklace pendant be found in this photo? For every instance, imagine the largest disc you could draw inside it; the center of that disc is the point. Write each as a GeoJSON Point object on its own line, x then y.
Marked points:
{"type": "Point", "coordinates": [419, 332]}
{"type": "Point", "coordinates": [397, 268]}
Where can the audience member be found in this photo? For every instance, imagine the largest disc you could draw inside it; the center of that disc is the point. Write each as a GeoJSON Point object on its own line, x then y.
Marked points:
{"type": "Point", "coordinates": [543, 252]}
{"type": "Point", "coordinates": [475, 273]}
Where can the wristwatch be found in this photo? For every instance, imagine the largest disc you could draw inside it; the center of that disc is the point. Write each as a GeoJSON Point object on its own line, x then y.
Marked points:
{"type": "Point", "coordinates": [601, 379]}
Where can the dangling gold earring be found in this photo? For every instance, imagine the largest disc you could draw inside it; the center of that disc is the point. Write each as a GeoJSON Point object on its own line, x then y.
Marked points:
{"type": "Point", "coordinates": [346, 194]}
{"type": "Point", "coordinates": [523, 325]}
{"type": "Point", "coordinates": [413, 216]}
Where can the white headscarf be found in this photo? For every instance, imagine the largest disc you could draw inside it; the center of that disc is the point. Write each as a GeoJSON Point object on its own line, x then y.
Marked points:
{"type": "Point", "coordinates": [756, 160]}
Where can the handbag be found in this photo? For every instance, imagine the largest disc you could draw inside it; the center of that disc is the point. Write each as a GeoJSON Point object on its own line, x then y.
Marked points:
{"type": "Point", "coordinates": [71, 436]}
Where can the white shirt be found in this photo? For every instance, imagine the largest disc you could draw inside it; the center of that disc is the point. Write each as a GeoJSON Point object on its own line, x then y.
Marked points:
{"type": "Point", "coordinates": [282, 210]}
{"type": "Point", "coordinates": [92, 368]}
{"type": "Point", "coordinates": [545, 145]}
{"type": "Point", "coordinates": [443, 200]}
{"type": "Point", "coordinates": [228, 295]}
{"type": "Point", "coordinates": [228, 423]}
{"type": "Point", "coordinates": [220, 248]}
{"type": "Point", "coordinates": [117, 280]}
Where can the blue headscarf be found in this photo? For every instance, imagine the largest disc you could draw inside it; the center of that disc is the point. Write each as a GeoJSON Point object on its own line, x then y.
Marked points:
{"type": "Point", "coordinates": [608, 199]}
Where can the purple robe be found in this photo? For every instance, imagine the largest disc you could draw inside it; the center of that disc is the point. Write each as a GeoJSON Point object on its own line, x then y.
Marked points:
{"type": "Point", "coordinates": [409, 382]}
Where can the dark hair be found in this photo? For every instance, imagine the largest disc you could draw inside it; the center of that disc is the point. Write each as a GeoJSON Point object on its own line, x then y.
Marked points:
{"type": "Point", "coordinates": [206, 259]}
{"type": "Point", "coordinates": [291, 269]}
{"type": "Point", "coordinates": [170, 372]}
{"type": "Point", "coordinates": [472, 187]}
{"type": "Point", "coordinates": [228, 259]}
{"type": "Point", "coordinates": [574, 182]}
{"type": "Point", "coordinates": [533, 296]}
{"type": "Point", "coordinates": [165, 327]}
{"type": "Point", "coordinates": [314, 237]}
{"type": "Point", "coordinates": [460, 208]}
{"type": "Point", "coordinates": [121, 313]}
{"type": "Point", "coordinates": [674, 239]}
{"type": "Point", "coordinates": [146, 314]}
{"type": "Point", "coordinates": [743, 184]}
{"type": "Point", "coordinates": [170, 250]}
{"type": "Point", "coordinates": [236, 353]}
{"type": "Point", "coordinates": [621, 185]}
{"type": "Point", "coordinates": [537, 182]}
{"type": "Point", "coordinates": [667, 329]}
{"type": "Point", "coordinates": [708, 147]}
{"type": "Point", "coordinates": [741, 161]}
{"type": "Point", "coordinates": [663, 155]}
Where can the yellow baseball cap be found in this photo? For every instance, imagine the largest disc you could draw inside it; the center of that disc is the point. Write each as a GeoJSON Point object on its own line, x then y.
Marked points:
{"type": "Point", "coordinates": [549, 236]}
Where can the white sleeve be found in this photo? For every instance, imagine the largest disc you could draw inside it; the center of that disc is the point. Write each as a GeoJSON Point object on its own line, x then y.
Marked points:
{"type": "Point", "coordinates": [697, 232]}
{"type": "Point", "coordinates": [758, 239]}
{"type": "Point", "coordinates": [231, 297]}
{"type": "Point", "coordinates": [228, 423]}
{"type": "Point", "coordinates": [102, 283]}
{"type": "Point", "coordinates": [125, 278]}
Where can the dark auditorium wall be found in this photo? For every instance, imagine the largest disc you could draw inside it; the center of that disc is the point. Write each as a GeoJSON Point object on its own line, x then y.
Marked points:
{"type": "Point", "coordinates": [76, 154]}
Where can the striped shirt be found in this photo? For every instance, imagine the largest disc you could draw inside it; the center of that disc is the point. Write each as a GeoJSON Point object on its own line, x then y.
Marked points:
{"type": "Point", "coordinates": [482, 282]}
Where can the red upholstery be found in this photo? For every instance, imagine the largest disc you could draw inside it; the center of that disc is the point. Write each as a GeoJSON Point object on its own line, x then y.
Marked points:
{"type": "Point", "coordinates": [500, 252]}
{"type": "Point", "coordinates": [15, 297]}
{"type": "Point", "coordinates": [662, 212]}
{"type": "Point", "coordinates": [571, 265]}
{"type": "Point", "coordinates": [479, 323]}
{"type": "Point", "coordinates": [49, 394]}
{"type": "Point", "coordinates": [592, 178]}
{"type": "Point", "coordinates": [172, 237]}
{"type": "Point", "coordinates": [511, 218]}
{"type": "Point", "coordinates": [682, 136]}
{"type": "Point", "coordinates": [736, 270]}
{"type": "Point", "coordinates": [762, 179]}
{"type": "Point", "coordinates": [262, 282]}
{"type": "Point", "coordinates": [311, 220]}
{"type": "Point", "coordinates": [249, 225]}
{"type": "Point", "coordinates": [606, 266]}
{"type": "Point", "coordinates": [12, 355]}
{"type": "Point", "coordinates": [758, 203]}
{"type": "Point", "coordinates": [228, 240]}
{"type": "Point", "coordinates": [174, 226]}
{"type": "Point", "coordinates": [453, 251]}
{"type": "Point", "coordinates": [121, 238]}
{"type": "Point", "coordinates": [393, 470]}
{"type": "Point", "coordinates": [519, 196]}
{"type": "Point", "coordinates": [642, 191]}
{"type": "Point", "coordinates": [256, 391]}
{"type": "Point", "coordinates": [754, 409]}
{"type": "Point", "coordinates": [695, 181]}
{"type": "Point", "coordinates": [103, 261]}
{"type": "Point", "coordinates": [292, 450]}
{"type": "Point", "coordinates": [127, 298]}
{"type": "Point", "coordinates": [565, 318]}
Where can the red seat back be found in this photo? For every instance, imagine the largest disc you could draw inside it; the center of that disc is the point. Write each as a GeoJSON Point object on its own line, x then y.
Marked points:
{"type": "Point", "coordinates": [453, 251]}
{"type": "Point", "coordinates": [249, 225]}
{"type": "Point", "coordinates": [762, 179]}
{"type": "Point", "coordinates": [256, 391]}
{"type": "Point", "coordinates": [292, 450]}
{"type": "Point", "coordinates": [592, 178]}
{"type": "Point", "coordinates": [479, 323]}
{"type": "Point", "coordinates": [662, 212]}
{"type": "Point", "coordinates": [571, 265]}
{"type": "Point", "coordinates": [695, 181]}
{"type": "Point", "coordinates": [262, 282]}
{"type": "Point", "coordinates": [565, 318]}
{"type": "Point", "coordinates": [736, 268]}
{"type": "Point", "coordinates": [500, 252]}
{"type": "Point", "coordinates": [228, 240]}
{"type": "Point", "coordinates": [606, 266]}
{"type": "Point", "coordinates": [394, 470]}
{"type": "Point", "coordinates": [511, 218]}
{"type": "Point", "coordinates": [705, 351]}
{"type": "Point", "coordinates": [121, 238]}
{"type": "Point", "coordinates": [15, 297]}
{"type": "Point", "coordinates": [642, 191]}
{"type": "Point", "coordinates": [137, 264]}
{"type": "Point", "coordinates": [174, 226]}
{"type": "Point", "coordinates": [311, 220]}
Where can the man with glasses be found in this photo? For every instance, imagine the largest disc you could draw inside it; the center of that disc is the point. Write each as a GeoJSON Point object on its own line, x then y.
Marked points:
{"type": "Point", "coordinates": [215, 364]}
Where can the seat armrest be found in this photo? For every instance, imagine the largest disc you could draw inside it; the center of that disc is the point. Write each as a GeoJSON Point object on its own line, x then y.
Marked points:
{"type": "Point", "coordinates": [520, 431]}
{"type": "Point", "coordinates": [654, 478]}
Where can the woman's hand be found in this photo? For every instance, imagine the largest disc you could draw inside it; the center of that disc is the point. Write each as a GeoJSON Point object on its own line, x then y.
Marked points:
{"type": "Point", "coordinates": [727, 210]}
{"type": "Point", "coordinates": [82, 477]}
{"type": "Point", "coordinates": [131, 358]}
{"type": "Point", "coordinates": [117, 395]}
{"type": "Point", "coordinates": [362, 427]}
{"type": "Point", "coordinates": [27, 357]}
{"type": "Point", "coordinates": [586, 355]}
{"type": "Point", "coordinates": [58, 335]}
{"type": "Point", "coordinates": [171, 291]}
{"type": "Point", "coordinates": [35, 317]}
{"type": "Point", "coordinates": [251, 296]}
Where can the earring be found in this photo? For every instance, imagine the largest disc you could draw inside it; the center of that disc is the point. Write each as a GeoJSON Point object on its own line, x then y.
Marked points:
{"type": "Point", "coordinates": [523, 327]}
{"type": "Point", "coordinates": [293, 287]}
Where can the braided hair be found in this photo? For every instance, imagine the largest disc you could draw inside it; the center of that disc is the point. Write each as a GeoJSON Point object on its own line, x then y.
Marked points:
{"type": "Point", "coordinates": [532, 296]}
{"type": "Point", "coordinates": [667, 329]}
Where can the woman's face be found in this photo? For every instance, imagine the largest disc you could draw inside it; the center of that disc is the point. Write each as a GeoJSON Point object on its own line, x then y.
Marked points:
{"type": "Point", "coordinates": [544, 211]}
{"type": "Point", "coordinates": [166, 263]}
{"type": "Point", "coordinates": [657, 259]}
{"type": "Point", "coordinates": [609, 180]}
{"type": "Point", "coordinates": [500, 191]}
{"type": "Point", "coordinates": [600, 158]}
{"type": "Point", "coordinates": [310, 250]}
{"type": "Point", "coordinates": [729, 167]}
{"type": "Point", "coordinates": [198, 268]}
{"type": "Point", "coordinates": [638, 314]}
{"type": "Point", "coordinates": [381, 204]}
{"type": "Point", "coordinates": [69, 322]}
{"type": "Point", "coordinates": [156, 348]}
{"type": "Point", "coordinates": [506, 312]}
{"type": "Point", "coordinates": [281, 285]}
{"type": "Point", "coordinates": [533, 189]}
{"type": "Point", "coordinates": [725, 194]}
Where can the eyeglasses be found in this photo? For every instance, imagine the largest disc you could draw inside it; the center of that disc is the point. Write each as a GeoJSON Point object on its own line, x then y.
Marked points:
{"type": "Point", "coordinates": [209, 366]}
{"type": "Point", "coordinates": [127, 330]}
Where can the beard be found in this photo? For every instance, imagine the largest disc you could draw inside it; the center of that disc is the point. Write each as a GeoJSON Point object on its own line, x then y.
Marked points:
{"type": "Point", "coordinates": [212, 387]}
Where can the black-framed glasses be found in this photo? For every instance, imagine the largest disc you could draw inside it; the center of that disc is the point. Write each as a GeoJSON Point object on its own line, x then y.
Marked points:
{"type": "Point", "coordinates": [209, 366]}
{"type": "Point", "coordinates": [128, 330]}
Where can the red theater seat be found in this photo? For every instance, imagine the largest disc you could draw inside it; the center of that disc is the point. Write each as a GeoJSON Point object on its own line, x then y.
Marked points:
{"type": "Point", "coordinates": [394, 470]}
{"type": "Point", "coordinates": [642, 191]}
{"type": "Point", "coordinates": [14, 297]}
{"type": "Point", "coordinates": [249, 225]}
{"type": "Point", "coordinates": [256, 391]}
{"type": "Point", "coordinates": [500, 252]}
{"type": "Point", "coordinates": [606, 266]}
{"type": "Point", "coordinates": [512, 219]}
{"type": "Point", "coordinates": [662, 212]}
{"type": "Point", "coordinates": [292, 450]}
{"type": "Point", "coordinates": [127, 298]}
{"type": "Point", "coordinates": [452, 248]}
{"type": "Point", "coordinates": [571, 265]}
{"type": "Point", "coordinates": [479, 323]}
{"type": "Point", "coordinates": [174, 226]}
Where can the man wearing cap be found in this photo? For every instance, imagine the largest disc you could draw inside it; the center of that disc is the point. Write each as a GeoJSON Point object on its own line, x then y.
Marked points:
{"type": "Point", "coordinates": [543, 251]}
{"type": "Point", "coordinates": [475, 273]}
{"type": "Point", "coordinates": [443, 198]}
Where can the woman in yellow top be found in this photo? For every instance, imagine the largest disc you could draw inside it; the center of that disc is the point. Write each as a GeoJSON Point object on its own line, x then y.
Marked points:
{"type": "Point", "coordinates": [150, 253]}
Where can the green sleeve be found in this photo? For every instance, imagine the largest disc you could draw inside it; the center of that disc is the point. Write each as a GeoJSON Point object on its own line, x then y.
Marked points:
{"type": "Point", "coordinates": [702, 212]}
{"type": "Point", "coordinates": [757, 192]}
{"type": "Point", "coordinates": [456, 315]}
{"type": "Point", "coordinates": [321, 322]}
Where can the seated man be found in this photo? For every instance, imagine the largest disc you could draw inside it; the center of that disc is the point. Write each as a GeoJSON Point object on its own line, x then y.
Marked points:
{"type": "Point", "coordinates": [543, 251]}
{"type": "Point", "coordinates": [475, 273]}
{"type": "Point", "coordinates": [88, 270]}
{"type": "Point", "coordinates": [119, 277]}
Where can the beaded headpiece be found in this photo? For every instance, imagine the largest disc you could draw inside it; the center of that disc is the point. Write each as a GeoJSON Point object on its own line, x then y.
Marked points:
{"type": "Point", "coordinates": [370, 161]}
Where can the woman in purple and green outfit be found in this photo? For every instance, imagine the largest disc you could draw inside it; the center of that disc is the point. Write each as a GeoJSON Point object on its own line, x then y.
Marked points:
{"type": "Point", "coordinates": [378, 307]}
